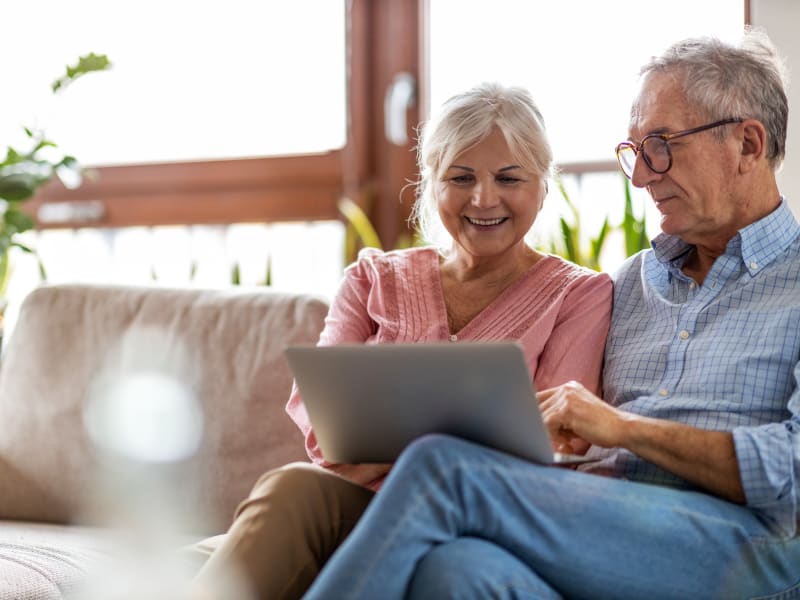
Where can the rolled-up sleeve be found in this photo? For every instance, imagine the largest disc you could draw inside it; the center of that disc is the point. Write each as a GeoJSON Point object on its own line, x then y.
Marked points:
{"type": "Point", "coordinates": [769, 465]}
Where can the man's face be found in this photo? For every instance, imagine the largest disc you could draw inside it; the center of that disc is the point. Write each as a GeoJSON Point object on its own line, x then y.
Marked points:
{"type": "Point", "coordinates": [697, 197]}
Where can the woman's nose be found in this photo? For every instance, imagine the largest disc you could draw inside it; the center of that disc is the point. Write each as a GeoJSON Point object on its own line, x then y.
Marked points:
{"type": "Point", "coordinates": [485, 196]}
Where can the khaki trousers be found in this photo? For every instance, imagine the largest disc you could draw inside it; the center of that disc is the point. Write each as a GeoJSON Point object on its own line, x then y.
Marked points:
{"type": "Point", "coordinates": [282, 535]}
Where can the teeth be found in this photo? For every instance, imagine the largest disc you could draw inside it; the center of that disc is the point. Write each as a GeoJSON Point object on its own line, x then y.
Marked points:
{"type": "Point", "coordinates": [486, 221]}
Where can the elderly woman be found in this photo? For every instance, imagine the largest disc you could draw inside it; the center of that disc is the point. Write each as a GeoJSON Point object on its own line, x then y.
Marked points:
{"type": "Point", "coordinates": [484, 164]}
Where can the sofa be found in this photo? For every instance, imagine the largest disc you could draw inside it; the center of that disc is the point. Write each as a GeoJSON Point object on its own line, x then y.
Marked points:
{"type": "Point", "coordinates": [75, 490]}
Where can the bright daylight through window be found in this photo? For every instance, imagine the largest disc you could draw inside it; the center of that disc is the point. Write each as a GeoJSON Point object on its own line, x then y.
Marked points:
{"type": "Point", "coordinates": [579, 59]}
{"type": "Point", "coordinates": [191, 80]}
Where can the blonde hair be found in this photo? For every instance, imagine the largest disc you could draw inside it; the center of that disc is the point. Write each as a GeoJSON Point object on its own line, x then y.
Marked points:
{"type": "Point", "coordinates": [464, 121]}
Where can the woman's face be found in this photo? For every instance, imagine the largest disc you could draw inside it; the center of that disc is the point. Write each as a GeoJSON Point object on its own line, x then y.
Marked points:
{"type": "Point", "coordinates": [487, 201]}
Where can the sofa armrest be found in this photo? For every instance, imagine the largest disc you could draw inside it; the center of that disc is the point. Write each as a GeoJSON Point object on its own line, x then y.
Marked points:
{"type": "Point", "coordinates": [62, 337]}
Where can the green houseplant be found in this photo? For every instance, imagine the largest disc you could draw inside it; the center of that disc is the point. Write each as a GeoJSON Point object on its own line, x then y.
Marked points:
{"type": "Point", "coordinates": [24, 171]}
{"type": "Point", "coordinates": [570, 245]}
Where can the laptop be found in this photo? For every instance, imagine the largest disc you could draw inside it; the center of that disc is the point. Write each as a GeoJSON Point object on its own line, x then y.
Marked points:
{"type": "Point", "coordinates": [368, 402]}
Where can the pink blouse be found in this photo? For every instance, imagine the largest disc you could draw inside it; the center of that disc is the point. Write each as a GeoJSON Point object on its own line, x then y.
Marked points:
{"type": "Point", "coordinates": [557, 311]}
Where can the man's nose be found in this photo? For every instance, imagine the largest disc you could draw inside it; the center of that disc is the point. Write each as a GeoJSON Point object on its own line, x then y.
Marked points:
{"type": "Point", "coordinates": [642, 174]}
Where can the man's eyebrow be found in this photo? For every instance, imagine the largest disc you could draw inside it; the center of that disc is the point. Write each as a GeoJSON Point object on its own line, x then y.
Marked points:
{"type": "Point", "coordinates": [656, 131]}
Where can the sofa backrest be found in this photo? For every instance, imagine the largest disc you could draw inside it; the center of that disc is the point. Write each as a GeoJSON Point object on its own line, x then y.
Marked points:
{"type": "Point", "coordinates": [232, 341]}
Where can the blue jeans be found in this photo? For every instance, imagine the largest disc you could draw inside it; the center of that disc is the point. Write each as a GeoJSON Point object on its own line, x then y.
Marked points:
{"type": "Point", "coordinates": [458, 520]}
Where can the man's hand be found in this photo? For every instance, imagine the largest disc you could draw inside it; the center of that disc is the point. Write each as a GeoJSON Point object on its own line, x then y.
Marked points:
{"type": "Point", "coordinates": [576, 418]}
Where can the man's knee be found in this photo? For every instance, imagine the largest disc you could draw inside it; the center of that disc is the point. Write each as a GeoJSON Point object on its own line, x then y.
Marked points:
{"type": "Point", "coordinates": [432, 448]}
{"type": "Point", "coordinates": [472, 568]}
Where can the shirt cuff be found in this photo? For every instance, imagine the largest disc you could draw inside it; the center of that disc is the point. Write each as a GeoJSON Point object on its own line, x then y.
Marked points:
{"type": "Point", "coordinates": [767, 456]}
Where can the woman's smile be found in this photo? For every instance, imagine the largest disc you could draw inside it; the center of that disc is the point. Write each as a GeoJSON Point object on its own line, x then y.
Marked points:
{"type": "Point", "coordinates": [486, 222]}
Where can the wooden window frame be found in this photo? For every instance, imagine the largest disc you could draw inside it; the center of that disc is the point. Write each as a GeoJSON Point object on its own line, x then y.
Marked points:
{"type": "Point", "coordinates": [384, 38]}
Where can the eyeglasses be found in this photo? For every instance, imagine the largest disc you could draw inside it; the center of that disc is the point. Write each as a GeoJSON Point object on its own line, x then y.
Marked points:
{"type": "Point", "coordinates": [655, 149]}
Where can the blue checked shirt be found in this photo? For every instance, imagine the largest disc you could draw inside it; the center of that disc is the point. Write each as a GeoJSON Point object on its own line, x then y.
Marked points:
{"type": "Point", "coordinates": [721, 356]}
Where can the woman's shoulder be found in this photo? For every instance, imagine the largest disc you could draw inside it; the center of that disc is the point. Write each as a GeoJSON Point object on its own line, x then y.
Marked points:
{"type": "Point", "coordinates": [371, 258]}
{"type": "Point", "coordinates": [558, 267]}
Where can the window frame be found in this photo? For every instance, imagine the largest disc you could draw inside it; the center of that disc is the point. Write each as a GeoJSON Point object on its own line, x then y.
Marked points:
{"type": "Point", "coordinates": [383, 38]}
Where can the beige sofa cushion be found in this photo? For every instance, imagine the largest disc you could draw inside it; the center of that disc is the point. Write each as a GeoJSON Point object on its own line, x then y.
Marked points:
{"type": "Point", "coordinates": [65, 333]}
{"type": "Point", "coordinates": [42, 561]}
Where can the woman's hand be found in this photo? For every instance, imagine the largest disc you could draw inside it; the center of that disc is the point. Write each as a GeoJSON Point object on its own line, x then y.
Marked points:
{"type": "Point", "coordinates": [576, 418]}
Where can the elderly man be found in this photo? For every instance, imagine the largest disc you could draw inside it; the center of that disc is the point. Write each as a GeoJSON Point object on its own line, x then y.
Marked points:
{"type": "Point", "coordinates": [699, 434]}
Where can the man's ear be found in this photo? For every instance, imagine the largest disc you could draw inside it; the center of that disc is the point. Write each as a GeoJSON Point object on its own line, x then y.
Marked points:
{"type": "Point", "coordinates": [754, 144]}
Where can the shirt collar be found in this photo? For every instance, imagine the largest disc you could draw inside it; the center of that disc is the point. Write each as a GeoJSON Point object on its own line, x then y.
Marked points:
{"type": "Point", "coordinates": [758, 244]}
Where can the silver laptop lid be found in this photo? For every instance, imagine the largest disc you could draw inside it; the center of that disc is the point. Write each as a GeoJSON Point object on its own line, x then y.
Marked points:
{"type": "Point", "coordinates": [367, 402]}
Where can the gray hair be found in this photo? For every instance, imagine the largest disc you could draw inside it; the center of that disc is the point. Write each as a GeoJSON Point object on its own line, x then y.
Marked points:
{"type": "Point", "coordinates": [746, 79]}
{"type": "Point", "coordinates": [465, 120]}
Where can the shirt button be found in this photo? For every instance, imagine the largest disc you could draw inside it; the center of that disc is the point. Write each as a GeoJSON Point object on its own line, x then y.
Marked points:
{"type": "Point", "coordinates": [684, 335]}
{"type": "Point", "coordinates": [692, 285]}
{"type": "Point", "coordinates": [663, 392]}
{"type": "Point", "coordinates": [454, 338]}
{"type": "Point", "coordinates": [754, 265]}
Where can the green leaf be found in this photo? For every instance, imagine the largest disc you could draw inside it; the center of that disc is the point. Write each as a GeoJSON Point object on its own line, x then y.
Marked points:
{"type": "Point", "coordinates": [360, 223]}
{"type": "Point", "coordinates": [69, 162]}
{"type": "Point", "coordinates": [634, 230]}
{"type": "Point", "coordinates": [70, 172]}
{"type": "Point", "coordinates": [16, 187]}
{"type": "Point", "coordinates": [573, 209]}
{"type": "Point", "coordinates": [86, 64]}
{"type": "Point", "coordinates": [12, 157]}
{"type": "Point", "coordinates": [597, 244]}
{"type": "Point", "coordinates": [17, 221]}
{"type": "Point", "coordinates": [569, 244]}
{"type": "Point", "coordinates": [268, 271]}
{"type": "Point", "coordinates": [29, 250]}
{"type": "Point", "coordinates": [5, 272]}
{"type": "Point", "coordinates": [41, 144]}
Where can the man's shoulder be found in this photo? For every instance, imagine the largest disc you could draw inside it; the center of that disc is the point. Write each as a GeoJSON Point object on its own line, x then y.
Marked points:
{"type": "Point", "coordinates": [632, 265]}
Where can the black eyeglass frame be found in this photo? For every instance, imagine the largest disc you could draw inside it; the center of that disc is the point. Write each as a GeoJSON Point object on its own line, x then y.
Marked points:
{"type": "Point", "coordinates": [666, 137]}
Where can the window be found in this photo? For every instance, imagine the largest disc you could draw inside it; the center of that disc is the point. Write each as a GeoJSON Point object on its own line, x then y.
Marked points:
{"type": "Point", "coordinates": [192, 80]}
{"type": "Point", "coordinates": [580, 60]}
{"type": "Point", "coordinates": [331, 59]}
{"type": "Point", "coordinates": [230, 117]}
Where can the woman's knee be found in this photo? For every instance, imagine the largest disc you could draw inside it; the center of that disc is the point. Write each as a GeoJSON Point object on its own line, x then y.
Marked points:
{"type": "Point", "coordinates": [308, 489]}
{"type": "Point", "coordinates": [298, 476]}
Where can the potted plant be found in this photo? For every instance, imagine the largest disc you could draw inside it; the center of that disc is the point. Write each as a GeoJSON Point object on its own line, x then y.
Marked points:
{"type": "Point", "coordinates": [23, 172]}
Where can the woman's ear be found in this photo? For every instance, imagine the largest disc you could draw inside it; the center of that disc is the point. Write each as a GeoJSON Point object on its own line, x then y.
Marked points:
{"type": "Point", "coordinates": [546, 190]}
{"type": "Point", "coordinates": [754, 144]}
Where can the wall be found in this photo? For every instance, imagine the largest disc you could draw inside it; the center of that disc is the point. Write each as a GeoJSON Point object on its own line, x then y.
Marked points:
{"type": "Point", "coordinates": [779, 18]}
